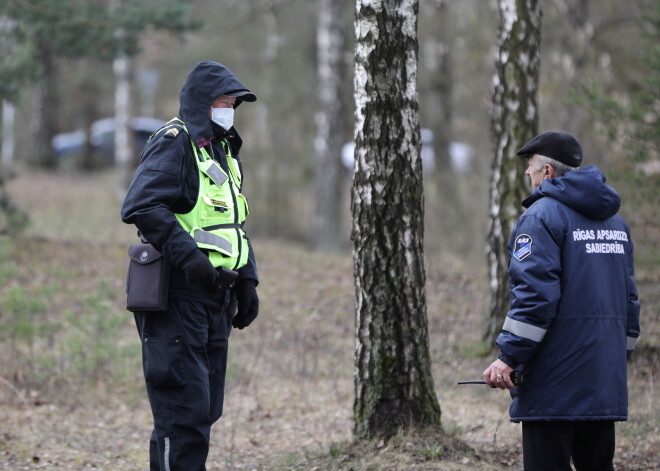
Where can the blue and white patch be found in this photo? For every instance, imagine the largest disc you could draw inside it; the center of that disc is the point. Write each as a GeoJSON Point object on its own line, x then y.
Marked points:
{"type": "Point", "coordinates": [522, 247]}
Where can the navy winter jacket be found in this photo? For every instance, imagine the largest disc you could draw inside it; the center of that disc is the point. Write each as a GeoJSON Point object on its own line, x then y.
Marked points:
{"type": "Point", "coordinates": [574, 315]}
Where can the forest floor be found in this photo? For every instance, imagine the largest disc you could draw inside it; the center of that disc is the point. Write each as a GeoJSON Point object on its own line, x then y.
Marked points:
{"type": "Point", "coordinates": [72, 394]}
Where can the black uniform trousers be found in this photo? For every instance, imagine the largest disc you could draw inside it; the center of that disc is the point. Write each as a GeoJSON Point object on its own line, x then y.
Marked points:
{"type": "Point", "coordinates": [184, 357]}
{"type": "Point", "coordinates": [549, 446]}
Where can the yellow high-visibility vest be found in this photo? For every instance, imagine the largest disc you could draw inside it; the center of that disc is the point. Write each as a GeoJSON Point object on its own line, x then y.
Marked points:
{"type": "Point", "coordinates": [216, 221]}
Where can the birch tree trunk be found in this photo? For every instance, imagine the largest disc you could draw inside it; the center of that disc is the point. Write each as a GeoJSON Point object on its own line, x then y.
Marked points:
{"type": "Point", "coordinates": [393, 383]}
{"type": "Point", "coordinates": [514, 122]}
{"type": "Point", "coordinates": [330, 44]}
{"type": "Point", "coordinates": [123, 111]}
{"type": "Point", "coordinates": [7, 153]}
{"type": "Point", "coordinates": [123, 147]}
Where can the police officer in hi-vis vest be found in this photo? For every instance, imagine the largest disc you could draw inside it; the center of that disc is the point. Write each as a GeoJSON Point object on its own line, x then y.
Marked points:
{"type": "Point", "coordinates": [186, 200]}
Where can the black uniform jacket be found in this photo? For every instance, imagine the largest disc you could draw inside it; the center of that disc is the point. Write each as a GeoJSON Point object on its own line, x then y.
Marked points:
{"type": "Point", "coordinates": [167, 180]}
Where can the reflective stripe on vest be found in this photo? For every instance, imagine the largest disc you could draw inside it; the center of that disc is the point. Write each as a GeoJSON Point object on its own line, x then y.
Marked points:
{"type": "Point", "coordinates": [210, 239]}
{"type": "Point", "coordinates": [216, 221]}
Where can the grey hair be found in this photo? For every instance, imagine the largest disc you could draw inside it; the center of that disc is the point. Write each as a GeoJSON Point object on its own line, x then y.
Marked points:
{"type": "Point", "coordinates": [560, 168]}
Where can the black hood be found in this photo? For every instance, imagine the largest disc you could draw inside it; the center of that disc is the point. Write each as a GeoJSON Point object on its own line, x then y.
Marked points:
{"type": "Point", "coordinates": [206, 82]}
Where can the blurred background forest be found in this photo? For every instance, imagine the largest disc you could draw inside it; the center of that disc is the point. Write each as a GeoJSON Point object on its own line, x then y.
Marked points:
{"type": "Point", "coordinates": [65, 65]}
{"type": "Point", "coordinates": [598, 59]}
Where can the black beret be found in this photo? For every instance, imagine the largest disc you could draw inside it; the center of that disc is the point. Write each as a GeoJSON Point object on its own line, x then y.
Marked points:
{"type": "Point", "coordinates": [558, 145]}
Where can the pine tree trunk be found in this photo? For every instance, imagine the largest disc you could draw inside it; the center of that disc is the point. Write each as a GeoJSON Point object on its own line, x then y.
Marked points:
{"type": "Point", "coordinates": [330, 119]}
{"type": "Point", "coordinates": [514, 122]}
{"type": "Point", "coordinates": [442, 83]}
{"type": "Point", "coordinates": [393, 383]}
{"type": "Point", "coordinates": [89, 94]}
{"type": "Point", "coordinates": [45, 103]}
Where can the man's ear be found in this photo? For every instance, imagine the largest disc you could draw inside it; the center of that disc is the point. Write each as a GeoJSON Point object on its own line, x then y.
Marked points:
{"type": "Point", "coordinates": [549, 171]}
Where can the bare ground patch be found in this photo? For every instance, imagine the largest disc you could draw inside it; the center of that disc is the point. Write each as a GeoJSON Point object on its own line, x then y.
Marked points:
{"type": "Point", "coordinates": [289, 388]}
{"type": "Point", "coordinates": [290, 381]}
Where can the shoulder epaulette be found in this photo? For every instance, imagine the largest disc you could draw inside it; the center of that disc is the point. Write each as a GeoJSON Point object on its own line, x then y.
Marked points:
{"type": "Point", "coordinates": [170, 130]}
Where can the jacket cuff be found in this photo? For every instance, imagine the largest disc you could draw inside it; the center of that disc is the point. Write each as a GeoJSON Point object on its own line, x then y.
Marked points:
{"type": "Point", "coordinates": [249, 271]}
{"type": "Point", "coordinates": [508, 360]}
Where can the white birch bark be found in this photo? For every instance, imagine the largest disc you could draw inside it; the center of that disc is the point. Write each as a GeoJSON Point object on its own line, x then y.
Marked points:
{"type": "Point", "coordinates": [393, 383]}
{"type": "Point", "coordinates": [121, 67]}
{"type": "Point", "coordinates": [7, 153]}
{"type": "Point", "coordinates": [514, 122]}
{"type": "Point", "coordinates": [330, 121]}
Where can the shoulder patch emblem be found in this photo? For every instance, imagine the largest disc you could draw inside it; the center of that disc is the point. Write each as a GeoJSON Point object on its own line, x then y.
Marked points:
{"type": "Point", "coordinates": [522, 247]}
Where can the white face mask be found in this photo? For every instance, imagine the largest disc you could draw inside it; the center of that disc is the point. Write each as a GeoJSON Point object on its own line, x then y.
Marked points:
{"type": "Point", "coordinates": [223, 117]}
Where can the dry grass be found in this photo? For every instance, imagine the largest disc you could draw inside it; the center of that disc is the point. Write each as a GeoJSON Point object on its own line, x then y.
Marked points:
{"type": "Point", "coordinates": [290, 380]}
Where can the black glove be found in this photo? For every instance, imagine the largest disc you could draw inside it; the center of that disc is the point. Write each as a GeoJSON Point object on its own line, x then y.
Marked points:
{"type": "Point", "coordinates": [248, 303]}
{"type": "Point", "coordinates": [199, 270]}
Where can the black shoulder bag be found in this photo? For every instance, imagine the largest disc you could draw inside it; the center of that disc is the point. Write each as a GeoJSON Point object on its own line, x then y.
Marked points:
{"type": "Point", "coordinates": [148, 279]}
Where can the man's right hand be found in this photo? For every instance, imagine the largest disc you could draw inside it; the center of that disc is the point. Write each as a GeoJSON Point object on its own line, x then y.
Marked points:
{"type": "Point", "coordinates": [199, 270]}
{"type": "Point", "coordinates": [248, 303]}
{"type": "Point", "coordinates": [498, 375]}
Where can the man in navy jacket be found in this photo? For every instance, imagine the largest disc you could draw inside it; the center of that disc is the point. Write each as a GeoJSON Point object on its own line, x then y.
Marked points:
{"type": "Point", "coordinates": [574, 315]}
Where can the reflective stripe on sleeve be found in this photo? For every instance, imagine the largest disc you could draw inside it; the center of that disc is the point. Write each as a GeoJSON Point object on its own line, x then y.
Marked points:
{"type": "Point", "coordinates": [212, 239]}
{"type": "Point", "coordinates": [521, 329]}
{"type": "Point", "coordinates": [631, 342]}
